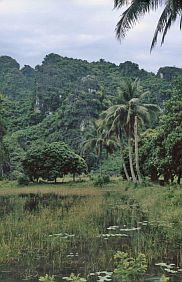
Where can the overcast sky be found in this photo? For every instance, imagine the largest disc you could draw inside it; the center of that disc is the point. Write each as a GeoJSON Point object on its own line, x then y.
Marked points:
{"type": "Point", "coordinates": [31, 29]}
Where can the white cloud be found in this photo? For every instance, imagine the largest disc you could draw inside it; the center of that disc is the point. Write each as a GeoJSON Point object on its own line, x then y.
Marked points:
{"type": "Point", "coordinates": [29, 29]}
{"type": "Point", "coordinates": [91, 3]}
{"type": "Point", "coordinates": [13, 6]}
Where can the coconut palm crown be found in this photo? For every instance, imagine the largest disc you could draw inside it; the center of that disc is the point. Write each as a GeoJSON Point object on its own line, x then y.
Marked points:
{"type": "Point", "coordinates": [138, 8]}
{"type": "Point", "coordinates": [96, 140]}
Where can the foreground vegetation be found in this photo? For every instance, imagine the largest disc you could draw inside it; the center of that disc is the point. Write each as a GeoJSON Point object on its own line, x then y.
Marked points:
{"type": "Point", "coordinates": [69, 103]}
{"type": "Point", "coordinates": [69, 227]}
{"type": "Point", "coordinates": [69, 117]}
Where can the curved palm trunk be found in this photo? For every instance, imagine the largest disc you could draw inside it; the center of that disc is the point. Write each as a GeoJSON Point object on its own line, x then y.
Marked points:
{"type": "Point", "coordinates": [130, 159]}
{"type": "Point", "coordinates": [125, 169]}
{"type": "Point", "coordinates": [123, 163]}
{"type": "Point", "coordinates": [136, 150]}
{"type": "Point", "coordinates": [122, 160]}
{"type": "Point", "coordinates": [100, 168]}
{"type": "Point", "coordinates": [100, 155]}
{"type": "Point", "coordinates": [1, 171]}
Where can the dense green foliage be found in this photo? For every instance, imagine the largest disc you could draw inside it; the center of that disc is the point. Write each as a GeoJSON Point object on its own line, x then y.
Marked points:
{"type": "Point", "coordinates": [129, 268]}
{"type": "Point", "coordinates": [122, 119]}
{"type": "Point", "coordinates": [50, 161]}
{"type": "Point", "coordinates": [59, 100]}
{"type": "Point", "coordinates": [161, 151]}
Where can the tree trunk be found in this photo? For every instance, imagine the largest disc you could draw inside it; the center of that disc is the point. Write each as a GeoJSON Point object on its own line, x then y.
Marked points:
{"type": "Point", "coordinates": [100, 162]}
{"type": "Point", "coordinates": [136, 150]}
{"type": "Point", "coordinates": [100, 169]}
{"type": "Point", "coordinates": [130, 160]}
{"type": "Point", "coordinates": [154, 174]}
{"type": "Point", "coordinates": [1, 171]}
{"type": "Point", "coordinates": [179, 178]}
{"type": "Point", "coordinates": [167, 176]}
{"type": "Point", "coordinates": [122, 160]}
{"type": "Point", "coordinates": [125, 171]}
{"type": "Point", "coordinates": [73, 177]}
{"type": "Point", "coordinates": [124, 166]}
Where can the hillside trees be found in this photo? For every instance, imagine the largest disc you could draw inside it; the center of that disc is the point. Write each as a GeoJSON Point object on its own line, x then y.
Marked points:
{"type": "Point", "coordinates": [35, 94]}
{"type": "Point", "coordinates": [2, 125]}
{"type": "Point", "coordinates": [50, 161]}
{"type": "Point", "coordinates": [78, 109]}
{"type": "Point", "coordinates": [13, 82]}
{"type": "Point", "coordinates": [57, 100]}
{"type": "Point", "coordinates": [161, 148]}
{"type": "Point", "coordinates": [2, 133]}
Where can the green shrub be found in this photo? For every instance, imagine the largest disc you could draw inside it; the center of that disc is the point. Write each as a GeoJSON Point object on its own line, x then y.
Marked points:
{"type": "Point", "coordinates": [129, 268]}
{"type": "Point", "coordinates": [101, 180]}
{"type": "Point", "coordinates": [112, 165]}
{"type": "Point", "coordinates": [23, 180]}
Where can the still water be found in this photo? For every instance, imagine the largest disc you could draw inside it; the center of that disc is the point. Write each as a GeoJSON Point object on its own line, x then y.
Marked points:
{"type": "Point", "coordinates": [89, 231]}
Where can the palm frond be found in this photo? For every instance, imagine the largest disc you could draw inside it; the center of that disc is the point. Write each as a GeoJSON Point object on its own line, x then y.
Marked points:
{"type": "Point", "coordinates": [119, 3]}
{"type": "Point", "coordinates": [168, 16]}
{"type": "Point", "coordinates": [152, 107]}
{"type": "Point", "coordinates": [138, 8]}
{"type": "Point", "coordinates": [134, 101]}
{"type": "Point", "coordinates": [143, 114]}
{"type": "Point", "coordinates": [144, 94]}
{"type": "Point", "coordinates": [180, 24]}
{"type": "Point", "coordinates": [132, 15]}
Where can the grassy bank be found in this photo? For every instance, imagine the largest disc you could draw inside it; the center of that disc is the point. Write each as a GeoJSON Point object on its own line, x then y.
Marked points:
{"type": "Point", "coordinates": [162, 204]}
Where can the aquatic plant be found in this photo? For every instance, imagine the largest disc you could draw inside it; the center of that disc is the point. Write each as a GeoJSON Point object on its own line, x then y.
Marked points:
{"type": "Point", "coordinates": [129, 268]}
{"type": "Point", "coordinates": [164, 278]}
{"type": "Point", "coordinates": [104, 276]}
{"type": "Point", "coordinates": [74, 278]}
{"type": "Point", "coordinates": [47, 278]}
{"type": "Point", "coordinates": [80, 226]}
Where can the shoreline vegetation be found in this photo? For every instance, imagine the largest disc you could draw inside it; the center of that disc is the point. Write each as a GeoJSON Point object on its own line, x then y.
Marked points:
{"type": "Point", "coordinates": [78, 227]}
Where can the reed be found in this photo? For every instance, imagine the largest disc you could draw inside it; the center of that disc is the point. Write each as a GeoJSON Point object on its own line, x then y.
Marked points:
{"type": "Point", "coordinates": [70, 227]}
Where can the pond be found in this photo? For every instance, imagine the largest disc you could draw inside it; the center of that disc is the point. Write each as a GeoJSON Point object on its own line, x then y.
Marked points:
{"type": "Point", "coordinates": [60, 235]}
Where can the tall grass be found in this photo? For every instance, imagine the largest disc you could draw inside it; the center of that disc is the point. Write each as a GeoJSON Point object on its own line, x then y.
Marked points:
{"type": "Point", "coordinates": [37, 240]}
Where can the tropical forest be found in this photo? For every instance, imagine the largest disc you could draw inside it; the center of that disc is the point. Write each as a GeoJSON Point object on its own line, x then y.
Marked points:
{"type": "Point", "coordinates": [91, 165]}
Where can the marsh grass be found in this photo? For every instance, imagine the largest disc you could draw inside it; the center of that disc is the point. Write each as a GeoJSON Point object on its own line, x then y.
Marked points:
{"type": "Point", "coordinates": [71, 218]}
{"type": "Point", "coordinates": [79, 188]}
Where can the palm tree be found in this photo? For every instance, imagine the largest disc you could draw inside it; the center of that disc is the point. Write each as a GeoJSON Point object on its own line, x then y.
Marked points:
{"type": "Point", "coordinates": [96, 140]}
{"type": "Point", "coordinates": [125, 116]}
{"type": "Point", "coordinates": [113, 120]}
{"type": "Point", "coordinates": [137, 8]}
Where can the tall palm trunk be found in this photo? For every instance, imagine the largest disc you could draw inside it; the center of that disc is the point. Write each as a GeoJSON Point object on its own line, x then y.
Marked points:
{"type": "Point", "coordinates": [100, 167]}
{"type": "Point", "coordinates": [130, 157]}
{"type": "Point", "coordinates": [136, 150]}
{"type": "Point", "coordinates": [1, 171]}
{"type": "Point", "coordinates": [100, 158]}
{"type": "Point", "coordinates": [124, 168]}
{"type": "Point", "coordinates": [122, 160]}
